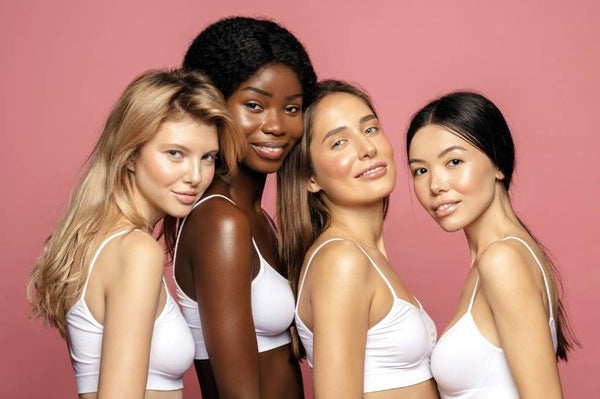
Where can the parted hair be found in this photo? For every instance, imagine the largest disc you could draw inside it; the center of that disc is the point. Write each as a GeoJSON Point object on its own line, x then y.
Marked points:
{"type": "Point", "coordinates": [104, 195]}
{"type": "Point", "coordinates": [233, 49]}
{"type": "Point", "coordinates": [303, 215]}
{"type": "Point", "coordinates": [477, 120]}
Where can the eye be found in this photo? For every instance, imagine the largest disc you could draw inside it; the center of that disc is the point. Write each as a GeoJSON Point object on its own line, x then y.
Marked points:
{"type": "Point", "coordinates": [253, 106]}
{"type": "Point", "coordinates": [292, 109]}
{"type": "Point", "coordinates": [419, 172]}
{"type": "Point", "coordinates": [338, 143]}
{"type": "Point", "coordinates": [371, 130]}
{"type": "Point", "coordinates": [210, 158]}
{"type": "Point", "coordinates": [175, 154]}
{"type": "Point", "coordinates": [454, 162]}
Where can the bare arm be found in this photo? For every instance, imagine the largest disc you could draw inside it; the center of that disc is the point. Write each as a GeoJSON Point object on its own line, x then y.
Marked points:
{"type": "Point", "coordinates": [132, 296]}
{"type": "Point", "coordinates": [508, 284]}
{"type": "Point", "coordinates": [221, 260]}
{"type": "Point", "coordinates": [340, 299]}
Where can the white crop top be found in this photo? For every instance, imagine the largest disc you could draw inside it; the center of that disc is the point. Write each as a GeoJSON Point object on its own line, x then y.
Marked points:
{"type": "Point", "coordinates": [171, 349]}
{"type": "Point", "coordinates": [272, 302]}
{"type": "Point", "coordinates": [398, 347]}
{"type": "Point", "coordinates": [467, 366]}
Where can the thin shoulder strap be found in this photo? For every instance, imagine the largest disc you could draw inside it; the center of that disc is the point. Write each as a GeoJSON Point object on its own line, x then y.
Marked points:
{"type": "Point", "coordinates": [183, 223]}
{"type": "Point", "coordinates": [308, 267]}
{"type": "Point", "coordinates": [271, 223]}
{"type": "Point", "coordinates": [541, 269]}
{"type": "Point", "coordinates": [378, 271]}
{"type": "Point", "coordinates": [93, 262]}
{"type": "Point", "coordinates": [473, 295]}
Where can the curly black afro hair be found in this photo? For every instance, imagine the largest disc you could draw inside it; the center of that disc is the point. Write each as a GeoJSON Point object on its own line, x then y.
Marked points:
{"type": "Point", "coordinates": [233, 49]}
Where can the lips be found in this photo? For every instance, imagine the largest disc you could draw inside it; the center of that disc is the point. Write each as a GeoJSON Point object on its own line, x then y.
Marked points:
{"type": "Point", "coordinates": [269, 150]}
{"type": "Point", "coordinates": [186, 197]}
{"type": "Point", "coordinates": [445, 208]}
{"type": "Point", "coordinates": [373, 171]}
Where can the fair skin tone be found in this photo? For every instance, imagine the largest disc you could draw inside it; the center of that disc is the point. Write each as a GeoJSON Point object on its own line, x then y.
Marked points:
{"type": "Point", "coordinates": [343, 295]}
{"type": "Point", "coordinates": [218, 273]}
{"type": "Point", "coordinates": [125, 291]}
{"type": "Point", "coordinates": [460, 188]}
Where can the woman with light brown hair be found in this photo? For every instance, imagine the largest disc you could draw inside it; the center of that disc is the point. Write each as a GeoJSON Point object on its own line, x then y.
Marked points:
{"type": "Point", "coordinates": [99, 280]}
{"type": "Point", "coordinates": [364, 333]}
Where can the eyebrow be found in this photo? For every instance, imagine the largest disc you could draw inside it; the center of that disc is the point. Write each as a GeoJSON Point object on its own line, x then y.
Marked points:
{"type": "Point", "coordinates": [340, 128]}
{"type": "Point", "coordinates": [441, 154]}
{"type": "Point", "coordinates": [270, 95]}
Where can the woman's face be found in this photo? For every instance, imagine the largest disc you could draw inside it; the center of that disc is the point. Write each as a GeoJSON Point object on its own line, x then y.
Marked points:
{"type": "Point", "coordinates": [353, 161]}
{"type": "Point", "coordinates": [173, 169]}
{"type": "Point", "coordinates": [268, 108]}
{"type": "Point", "coordinates": [454, 181]}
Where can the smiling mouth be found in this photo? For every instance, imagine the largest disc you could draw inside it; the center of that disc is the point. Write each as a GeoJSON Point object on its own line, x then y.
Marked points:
{"type": "Point", "coordinates": [269, 151]}
{"type": "Point", "coordinates": [373, 171]}
{"type": "Point", "coordinates": [445, 208]}
{"type": "Point", "coordinates": [185, 198]}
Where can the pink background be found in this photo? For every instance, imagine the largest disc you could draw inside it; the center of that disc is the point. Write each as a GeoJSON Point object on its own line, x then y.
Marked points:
{"type": "Point", "coordinates": [65, 62]}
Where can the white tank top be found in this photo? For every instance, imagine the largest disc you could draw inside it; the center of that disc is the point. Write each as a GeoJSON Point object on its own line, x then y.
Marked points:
{"type": "Point", "coordinates": [398, 347]}
{"type": "Point", "coordinates": [171, 349]}
{"type": "Point", "coordinates": [272, 302]}
{"type": "Point", "coordinates": [467, 366]}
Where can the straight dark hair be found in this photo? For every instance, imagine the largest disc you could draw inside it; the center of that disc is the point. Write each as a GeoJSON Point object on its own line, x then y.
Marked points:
{"type": "Point", "coordinates": [303, 215]}
{"type": "Point", "coordinates": [478, 121]}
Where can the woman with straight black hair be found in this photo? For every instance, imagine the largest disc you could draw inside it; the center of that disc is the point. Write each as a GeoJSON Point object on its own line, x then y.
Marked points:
{"type": "Point", "coordinates": [230, 283]}
{"type": "Point", "coordinates": [511, 325]}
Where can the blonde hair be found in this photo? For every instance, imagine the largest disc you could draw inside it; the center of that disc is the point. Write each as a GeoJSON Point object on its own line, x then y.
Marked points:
{"type": "Point", "coordinates": [104, 195]}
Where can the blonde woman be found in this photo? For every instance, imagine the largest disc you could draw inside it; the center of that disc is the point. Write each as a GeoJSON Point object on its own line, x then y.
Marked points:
{"type": "Point", "coordinates": [99, 280]}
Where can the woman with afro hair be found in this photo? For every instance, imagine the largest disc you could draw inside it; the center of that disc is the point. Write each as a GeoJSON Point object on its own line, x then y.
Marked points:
{"type": "Point", "coordinates": [231, 286]}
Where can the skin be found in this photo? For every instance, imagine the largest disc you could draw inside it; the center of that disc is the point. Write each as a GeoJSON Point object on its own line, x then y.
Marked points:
{"type": "Point", "coordinates": [216, 261]}
{"type": "Point", "coordinates": [343, 295]}
{"type": "Point", "coordinates": [125, 291]}
{"type": "Point", "coordinates": [511, 306]}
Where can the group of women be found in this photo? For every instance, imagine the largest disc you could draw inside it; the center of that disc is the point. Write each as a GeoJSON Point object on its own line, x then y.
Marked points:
{"type": "Point", "coordinates": [187, 153]}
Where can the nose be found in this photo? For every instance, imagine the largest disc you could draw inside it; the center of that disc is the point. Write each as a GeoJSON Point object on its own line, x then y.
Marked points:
{"type": "Point", "coordinates": [273, 123]}
{"type": "Point", "coordinates": [193, 174]}
{"type": "Point", "coordinates": [366, 148]}
{"type": "Point", "coordinates": [438, 183]}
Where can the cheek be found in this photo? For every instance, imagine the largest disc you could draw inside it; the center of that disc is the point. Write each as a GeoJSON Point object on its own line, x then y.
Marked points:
{"type": "Point", "coordinates": [421, 189]}
{"type": "Point", "coordinates": [336, 166]}
{"type": "Point", "coordinates": [158, 170]}
{"type": "Point", "coordinates": [247, 121]}
{"type": "Point", "coordinates": [295, 127]}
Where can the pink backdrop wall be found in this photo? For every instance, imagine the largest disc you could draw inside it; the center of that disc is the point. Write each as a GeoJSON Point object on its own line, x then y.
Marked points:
{"type": "Point", "coordinates": [65, 62]}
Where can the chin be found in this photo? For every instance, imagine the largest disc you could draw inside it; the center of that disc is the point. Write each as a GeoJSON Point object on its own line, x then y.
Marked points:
{"type": "Point", "coordinates": [449, 226]}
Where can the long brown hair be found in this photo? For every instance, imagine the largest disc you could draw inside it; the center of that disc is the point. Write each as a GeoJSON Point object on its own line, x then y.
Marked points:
{"type": "Point", "coordinates": [302, 215]}
{"type": "Point", "coordinates": [104, 195]}
{"type": "Point", "coordinates": [477, 120]}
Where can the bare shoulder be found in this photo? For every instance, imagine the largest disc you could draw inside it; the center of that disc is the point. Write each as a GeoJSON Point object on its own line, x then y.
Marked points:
{"type": "Point", "coordinates": [339, 263]}
{"type": "Point", "coordinates": [218, 214]}
{"type": "Point", "coordinates": [504, 270]}
{"type": "Point", "coordinates": [139, 251]}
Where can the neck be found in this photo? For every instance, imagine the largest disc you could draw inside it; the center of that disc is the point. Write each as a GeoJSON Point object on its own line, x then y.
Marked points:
{"type": "Point", "coordinates": [361, 223]}
{"type": "Point", "coordinates": [495, 223]}
{"type": "Point", "coordinates": [247, 189]}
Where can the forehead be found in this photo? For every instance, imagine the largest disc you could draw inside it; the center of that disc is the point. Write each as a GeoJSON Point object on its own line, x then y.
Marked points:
{"type": "Point", "coordinates": [275, 78]}
{"type": "Point", "coordinates": [187, 131]}
{"type": "Point", "coordinates": [431, 139]}
{"type": "Point", "coordinates": [340, 109]}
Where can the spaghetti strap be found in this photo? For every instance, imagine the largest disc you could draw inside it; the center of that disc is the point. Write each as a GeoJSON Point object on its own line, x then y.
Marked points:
{"type": "Point", "coordinates": [93, 262]}
{"type": "Point", "coordinates": [473, 295]}
{"type": "Point", "coordinates": [541, 269]}
{"type": "Point", "coordinates": [379, 271]}
{"type": "Point", "coordinates": [308, 267]}
{"type": "Point", "coordinates": [180, 229]}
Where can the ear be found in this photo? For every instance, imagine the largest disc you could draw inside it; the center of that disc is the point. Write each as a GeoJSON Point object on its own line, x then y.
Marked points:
{"type": "Point", "coordinates": [312, 185]}
{"type": "Point", "coordinates": [131, 164]}
{"type": "Point", "coordinates": [499, 175]}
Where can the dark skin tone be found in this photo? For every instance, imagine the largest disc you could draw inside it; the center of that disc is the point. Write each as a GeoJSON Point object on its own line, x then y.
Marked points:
{"type": "Point", "coordinates": [216, 261]}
